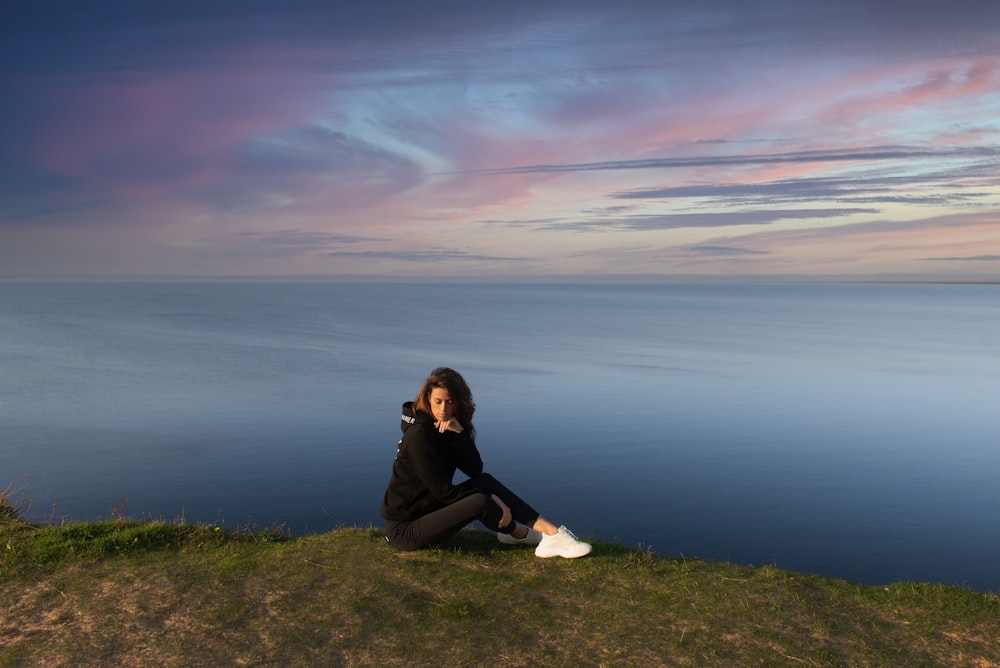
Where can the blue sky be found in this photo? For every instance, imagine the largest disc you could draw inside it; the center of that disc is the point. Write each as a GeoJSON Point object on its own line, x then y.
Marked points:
{"type": "Point", "coordinates": [776, 138]}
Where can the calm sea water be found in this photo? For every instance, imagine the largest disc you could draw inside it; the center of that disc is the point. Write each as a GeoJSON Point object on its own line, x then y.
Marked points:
{"type": "Point", "coordinates": [848, 430]}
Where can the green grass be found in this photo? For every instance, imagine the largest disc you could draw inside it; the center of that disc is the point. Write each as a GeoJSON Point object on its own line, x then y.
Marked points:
{"type": "Point", "coordinates": [141, 594]}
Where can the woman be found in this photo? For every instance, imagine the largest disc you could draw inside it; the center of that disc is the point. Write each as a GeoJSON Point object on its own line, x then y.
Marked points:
{"type": "Point", "coordinates": [422, 507]}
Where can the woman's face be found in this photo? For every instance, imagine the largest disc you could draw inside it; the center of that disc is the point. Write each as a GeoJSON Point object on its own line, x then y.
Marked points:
{"type": "Point", "coordinates": [442, 407]}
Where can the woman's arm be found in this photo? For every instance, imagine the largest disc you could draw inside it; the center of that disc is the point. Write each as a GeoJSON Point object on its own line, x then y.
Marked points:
{"type": "Point", "coordinates": [506, 516]}
{"type": "Point", "coordinates": [467, 456]}
{"type": "Point", "coordinates": [435, 468]}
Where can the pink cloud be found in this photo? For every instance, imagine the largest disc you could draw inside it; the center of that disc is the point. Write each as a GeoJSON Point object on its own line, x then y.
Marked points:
{"type": "Point", "coordinates": [848, 106]}
{"type": "Point", "coordinates": [889, 241]}
{"type": "Point", "coordinates": [130, 137]}
{"type": "Point", "coordinates": [950, 84]}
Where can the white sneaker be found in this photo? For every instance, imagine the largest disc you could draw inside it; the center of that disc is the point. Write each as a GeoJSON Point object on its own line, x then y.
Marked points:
{"type": "Point", "coordinates": [562, 544]}
{"type": "Point", "coordinates": [532, 538]}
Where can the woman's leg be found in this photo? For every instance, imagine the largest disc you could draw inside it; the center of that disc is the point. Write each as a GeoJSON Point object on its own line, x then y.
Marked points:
{"type": "Point", "coordinates": [519, 509]}
{"type": "Point", "coordinates": [437, 526]}
{"type": "Point", "coordinates": [444, 523]}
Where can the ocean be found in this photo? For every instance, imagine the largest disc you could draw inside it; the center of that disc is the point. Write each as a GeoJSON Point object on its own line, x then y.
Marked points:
{"type": "Point", "coordinates": [848, 430]}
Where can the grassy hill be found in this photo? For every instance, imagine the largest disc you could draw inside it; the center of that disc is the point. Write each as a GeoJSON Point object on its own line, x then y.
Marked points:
{"type": "Point", "coordinates": [126, 593]}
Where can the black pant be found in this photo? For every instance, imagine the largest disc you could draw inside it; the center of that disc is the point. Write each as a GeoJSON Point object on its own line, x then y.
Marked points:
{"type": "Point", "coordinates": [443, 523]}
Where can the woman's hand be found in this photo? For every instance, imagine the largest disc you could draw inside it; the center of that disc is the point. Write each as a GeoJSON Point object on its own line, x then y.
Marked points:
{"type": "Point", "coordinates": [505, 517]}
{"type": "Point", "coordinates": [451, 424]}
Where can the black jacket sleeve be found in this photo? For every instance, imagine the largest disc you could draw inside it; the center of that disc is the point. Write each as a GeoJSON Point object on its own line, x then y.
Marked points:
{"type": "Point", "coordinates": [467, 457]}
{"type": "Point", "coordinates": [434, 458]}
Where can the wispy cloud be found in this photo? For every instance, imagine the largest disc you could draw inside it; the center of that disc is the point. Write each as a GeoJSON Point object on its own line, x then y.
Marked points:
{"type": "Point", "coordinates": [975, 258]}
{"type": "Point", "coordinates": [962, 185]}
{"type": "Point", "coordinates": [302, 238]}
{"type": "Point", "coordinates": [878, 153]}
{"type": "Point", "coordinates": [724, 251]}
{"type": "Point", "coordinates": [278, 244]}
{"type": "Point", "coordinates": [677, 221]}
{"type": "Point", "coordinates": [436, 255]}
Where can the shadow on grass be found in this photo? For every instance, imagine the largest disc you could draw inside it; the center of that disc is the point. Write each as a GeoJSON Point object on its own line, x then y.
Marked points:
{"type": "Point", "coordinates": [478, 541]}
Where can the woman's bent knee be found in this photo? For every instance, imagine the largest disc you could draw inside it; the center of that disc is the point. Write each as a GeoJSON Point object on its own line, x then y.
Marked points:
{"type": "Point", "coordinates": [486, 481]}
{"type": "Point", "coordinates": [478, 503]}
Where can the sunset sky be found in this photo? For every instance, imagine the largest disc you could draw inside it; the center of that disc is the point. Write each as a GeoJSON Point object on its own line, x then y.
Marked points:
{"type": "Point", "coordinates": [500, 140]}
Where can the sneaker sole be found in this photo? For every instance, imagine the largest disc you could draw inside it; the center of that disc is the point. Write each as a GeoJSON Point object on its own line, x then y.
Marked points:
{"type": "Point", "coordinates": [575, 555]}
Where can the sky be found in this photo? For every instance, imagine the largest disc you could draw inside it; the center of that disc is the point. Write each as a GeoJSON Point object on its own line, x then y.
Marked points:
{"type": "Point", "coordinates": [513, 140]}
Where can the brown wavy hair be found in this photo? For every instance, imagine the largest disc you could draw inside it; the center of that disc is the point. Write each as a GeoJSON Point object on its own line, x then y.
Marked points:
{"type": "Point", "coordinates": [451, 380]}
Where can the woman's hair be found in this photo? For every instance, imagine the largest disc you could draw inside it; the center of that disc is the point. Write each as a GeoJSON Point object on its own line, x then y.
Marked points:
{"type": "Point", "coordinates": [452, 381]}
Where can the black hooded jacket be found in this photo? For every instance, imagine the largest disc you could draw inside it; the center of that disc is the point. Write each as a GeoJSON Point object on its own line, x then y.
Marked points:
{"type": "Point", "coordinates": [425, 464]}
